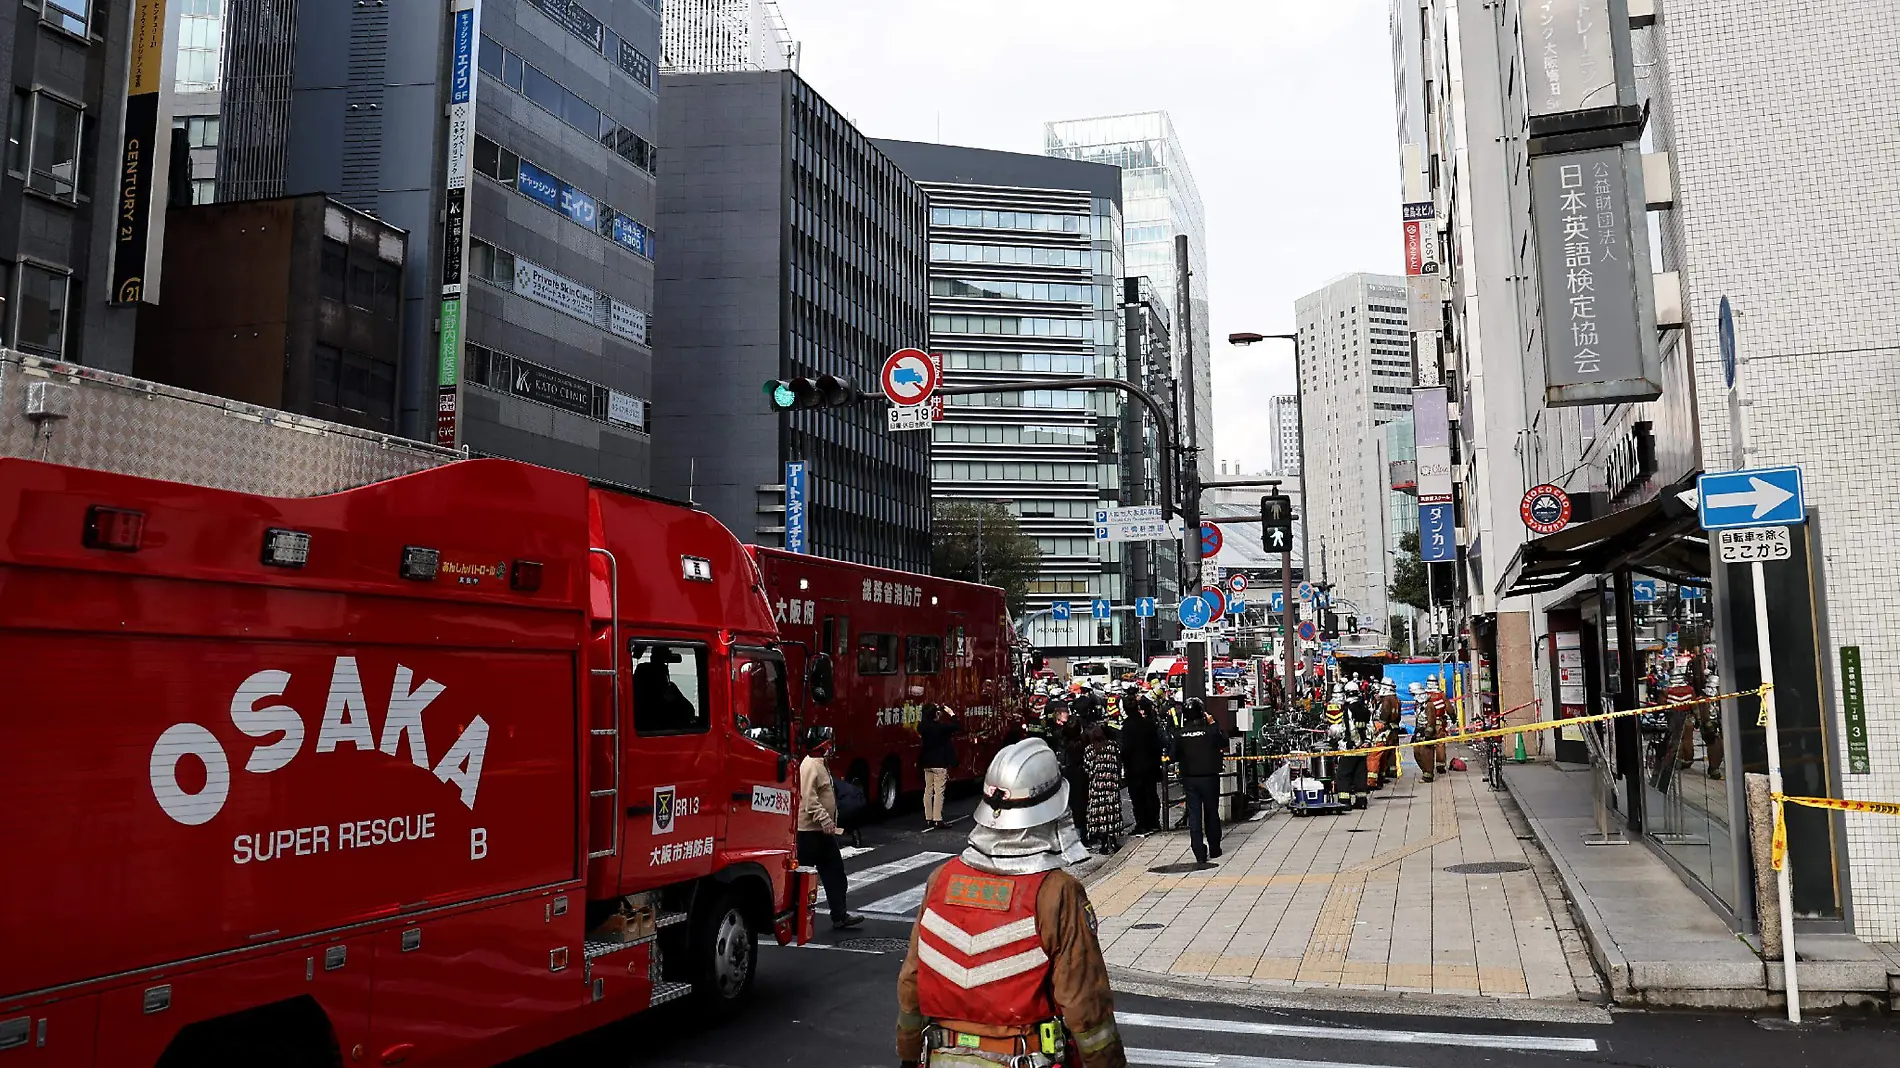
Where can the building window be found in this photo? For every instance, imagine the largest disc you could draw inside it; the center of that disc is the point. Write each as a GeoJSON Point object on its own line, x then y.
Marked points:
{"type": "Point", "coordinates": [68, 15]}
{"type": "Point", "coordinates": [201, 131]}
{"type": "Point", "coordinates": [204, 190]}
{"type": "Point", "coordinates": [41, 327]}
{"type": "Point", "coordinates": [52, 138]}
{"type": "Point", "coordinates": [335, 268]}
{"type": "Point", "coordinates": [326, 370]}
{"type": "Point", "coordinates": [200, 40]}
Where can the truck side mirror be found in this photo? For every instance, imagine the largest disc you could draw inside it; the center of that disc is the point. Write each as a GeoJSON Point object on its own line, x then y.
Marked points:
{"type": "Point", "coordinates": [820, 679]}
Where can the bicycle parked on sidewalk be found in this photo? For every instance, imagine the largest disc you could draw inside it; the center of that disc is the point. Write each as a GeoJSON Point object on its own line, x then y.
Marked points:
{"type": "Point", "coordinates": [1492, 750]}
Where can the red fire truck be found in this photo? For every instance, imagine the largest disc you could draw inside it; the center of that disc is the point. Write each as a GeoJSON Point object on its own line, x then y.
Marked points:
{"type": "Point", "coordinates": [900, 641]}
{"type": "Point", "coordinates": [436, 769]}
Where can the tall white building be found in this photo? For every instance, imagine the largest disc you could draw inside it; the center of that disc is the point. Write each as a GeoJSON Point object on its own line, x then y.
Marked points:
{"type": "Point", "coordinates": [1283, 414]}
{"type": "Point", "coordinates": [1159, 200]}
{"type": "Point", "coordinates": [1355, 376]}
{"type": "Point", "coordinates": [711, 36]}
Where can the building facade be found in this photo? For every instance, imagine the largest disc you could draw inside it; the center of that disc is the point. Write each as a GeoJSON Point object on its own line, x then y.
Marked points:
{"type": "Point", "coordinates": [64, 63]}
{"type": "Point", "coordinates": [195, 92]}
{"type": "Point", "coordinates": [1283, 417]}
{"type": "Point", "coordinates": [1160, 200]}
{"type": "Point", "coordinates": [1026, 285]}
{"type": "Point", "coordinates": [557, 362]}
{"type": "Point", "coordinates": [710, 36]}
{"type": "Point", "coordinates": [1630, 586]}
{"type": "Point", "coordinates": [291, 303]}
{"type": "Point", "coordinates": [1355, 377]}
{"type": "Point", "coordinates": [799, 250]}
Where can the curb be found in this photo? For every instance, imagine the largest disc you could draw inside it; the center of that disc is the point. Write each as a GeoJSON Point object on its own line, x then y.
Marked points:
{"type": "Point", "coordinates": [1333, 999]}
{"type": "Point", "coordinates": [1612, 965]}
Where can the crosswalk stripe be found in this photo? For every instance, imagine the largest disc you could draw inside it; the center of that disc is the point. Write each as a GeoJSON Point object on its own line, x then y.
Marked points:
{"type": "Point", "coordinates": [902, 903]}
{"type": "Point", "coordinates": [1357, 1034]}
{"type": "Point", "coordinates": [1174, 1058]}
{"type": "Point", "coordinates": [887, 869]}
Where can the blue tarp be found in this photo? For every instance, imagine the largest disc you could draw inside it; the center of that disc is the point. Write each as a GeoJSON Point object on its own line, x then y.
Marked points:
{"type": "Point", "coordinates": [1404, 675]}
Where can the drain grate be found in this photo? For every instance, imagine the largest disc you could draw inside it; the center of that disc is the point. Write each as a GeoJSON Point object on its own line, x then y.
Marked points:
{"type": "Point", "coordinates": [1488, 867]}
{"type": "Point", "coordinates": [1147, 927]}
{"type": "Point", "coordinates": [877, 945]}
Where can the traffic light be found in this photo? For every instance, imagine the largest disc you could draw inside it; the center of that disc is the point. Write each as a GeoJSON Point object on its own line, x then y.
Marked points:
{"type": "Point", "coordinates": [1329, 626]}
{"type": "Point", "coordinates": [1276, 523]}
{"type": "Point", "coordinates": [822, 391]}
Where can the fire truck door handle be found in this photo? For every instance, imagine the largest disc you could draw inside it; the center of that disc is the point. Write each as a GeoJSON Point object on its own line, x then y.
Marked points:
{"type": "Point", "coordinates": [742, 795]}
{"type": "Point", "coordinates": [398, 1053]}
{"type": "Point", "coordinates": [639, 810]}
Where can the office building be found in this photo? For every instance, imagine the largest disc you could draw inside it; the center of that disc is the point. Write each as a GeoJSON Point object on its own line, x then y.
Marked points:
{"type": "Point", "coordinates": [796, 248]}
{"type": "Point", "coordinates": [1026, 284]}
{"type": "Point", "coordinates": [290, 303]}
{"type": "Point", "coordinates": [554, 359]}
{"type": "Point", "coordinates": [1283, 420]}
{"type": "Point", "coordinates": [711, 36]}
{"type": "Point", "coordinates": [1160, 201]}
{"type": "Point", "coordinates": [65, 66]}
{"type": "Point", "coordinates": [1153, 567]}
{"type": "Point", "coordinates": [1355, 377]}
{"type": "Point", "coordinates": [195, 90]}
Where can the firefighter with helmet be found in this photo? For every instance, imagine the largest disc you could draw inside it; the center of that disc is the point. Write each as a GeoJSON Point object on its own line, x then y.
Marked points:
{"type": "Point", "coordinates": [1004, 968]}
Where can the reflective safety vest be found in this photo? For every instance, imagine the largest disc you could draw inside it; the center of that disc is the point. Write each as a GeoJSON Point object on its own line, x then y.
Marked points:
{"type": "Point", "coordinates": [979, 956]}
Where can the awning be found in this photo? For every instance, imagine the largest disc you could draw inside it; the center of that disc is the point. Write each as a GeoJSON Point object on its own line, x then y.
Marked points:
{"type": "Point", "coordinates": [1660, 537]}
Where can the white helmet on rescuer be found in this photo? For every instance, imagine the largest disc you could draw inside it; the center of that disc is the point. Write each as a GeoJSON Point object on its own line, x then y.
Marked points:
{"type": "Point", "coordinates": [1023, 824]}
{"type": "Point", "coordinates": [1023, 788]}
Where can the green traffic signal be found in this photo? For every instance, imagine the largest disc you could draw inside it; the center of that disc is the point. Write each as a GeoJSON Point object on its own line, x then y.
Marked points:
{"type": "Point", "coordinates": [825, 391]}
{"type": "Point", "coordinates": [781, 395]}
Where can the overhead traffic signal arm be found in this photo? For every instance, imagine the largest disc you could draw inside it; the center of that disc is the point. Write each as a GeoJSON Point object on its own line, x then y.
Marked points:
{"type": "Point", "coordinates": [819, 391]}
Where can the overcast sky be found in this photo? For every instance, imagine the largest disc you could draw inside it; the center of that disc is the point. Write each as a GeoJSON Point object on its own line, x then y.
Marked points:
{"type": "Point", "coordinates": [1284, 107]}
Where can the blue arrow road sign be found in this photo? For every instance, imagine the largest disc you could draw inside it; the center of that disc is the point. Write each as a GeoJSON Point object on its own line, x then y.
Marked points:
{"type": "Point", "coordinates": [1643, 591]}
{"type": "Point", "coordinates": [1099, 608]}
{"type": "Point", "coordinates": [1691, 593]}
{"type": "Point", "coordinates": [1276, 601]}
{"type": "Point", "coordinates": [1144, 607]}
{"type": "Point", "coordinates": [1060, 611]}
{"type": "Point", "coordinates": [1236, 607]}
{"type": "Point", "coordinates": [1194, 612]}
{"type": "Point", "coordinates": [1759, 497]}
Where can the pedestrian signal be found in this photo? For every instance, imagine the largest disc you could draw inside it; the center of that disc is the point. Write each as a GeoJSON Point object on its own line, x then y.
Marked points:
{"type": "Point", "coordinates": [1276, 523]}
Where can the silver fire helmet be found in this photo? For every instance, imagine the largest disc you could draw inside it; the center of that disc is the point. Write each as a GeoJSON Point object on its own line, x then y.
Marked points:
{"type": "Point", "coordinates": [1024, 788]}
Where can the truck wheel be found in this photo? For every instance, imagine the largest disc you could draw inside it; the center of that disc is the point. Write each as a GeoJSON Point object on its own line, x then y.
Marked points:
{"type": "Point", "coordinates": [725, 952]}
{"type": "Point", "coordinates": [888, 790]}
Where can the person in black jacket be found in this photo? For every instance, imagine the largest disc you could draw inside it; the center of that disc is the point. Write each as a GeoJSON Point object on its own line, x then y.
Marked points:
{"type": "Point", "coordinates": [1141, 760]}
{"type": "Point", "coordinates": [1200, 750]}
{"type": "Point", "coordinates": [937, 727]}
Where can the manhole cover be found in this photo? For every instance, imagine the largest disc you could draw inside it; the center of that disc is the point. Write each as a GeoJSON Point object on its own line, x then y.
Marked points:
{"type": "Point", "coordinates": [1482, 867]}
{"type": "Point", "coordinates": [1136, 927]}
{"type": "Point", "coordinates": [1167, 869]}
{"type": "Point", "coordinates": [877, 945]}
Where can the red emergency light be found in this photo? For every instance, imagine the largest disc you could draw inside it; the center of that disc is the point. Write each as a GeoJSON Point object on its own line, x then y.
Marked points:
{"type": "Point", "coordinates": [114, 529]}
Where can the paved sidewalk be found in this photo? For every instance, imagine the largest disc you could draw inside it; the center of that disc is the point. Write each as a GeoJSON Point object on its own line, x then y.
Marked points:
{"type": "Point", "coordinates": [1359, 901]}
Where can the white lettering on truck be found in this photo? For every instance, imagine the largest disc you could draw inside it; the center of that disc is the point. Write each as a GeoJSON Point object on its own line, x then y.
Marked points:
{"type": "Point", "coordinates": [345, 720]}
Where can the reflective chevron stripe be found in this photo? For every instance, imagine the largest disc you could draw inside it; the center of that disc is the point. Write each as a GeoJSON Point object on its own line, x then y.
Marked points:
{"type": "Point", "coordinates": [973, 944]}
{"type": "Point", "coordinates": [983, 974]}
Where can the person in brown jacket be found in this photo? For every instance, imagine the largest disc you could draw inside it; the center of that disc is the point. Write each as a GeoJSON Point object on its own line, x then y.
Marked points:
{"type": "Point", "coordinates": [817, 824]}
{"type": "Point", "coordinates": [1004, 968]}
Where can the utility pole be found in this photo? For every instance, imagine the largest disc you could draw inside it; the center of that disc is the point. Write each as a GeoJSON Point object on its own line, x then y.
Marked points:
{"type": "Point", "coordinates": [1191, 473]}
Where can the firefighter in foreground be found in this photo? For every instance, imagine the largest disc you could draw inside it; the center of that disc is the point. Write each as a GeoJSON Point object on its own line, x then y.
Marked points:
{"type": "Point", "coordinates": [1004, 968]}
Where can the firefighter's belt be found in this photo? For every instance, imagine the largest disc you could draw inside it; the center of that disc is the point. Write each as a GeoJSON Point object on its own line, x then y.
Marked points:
{"type": "Point", "coordinates": [944, 1045]}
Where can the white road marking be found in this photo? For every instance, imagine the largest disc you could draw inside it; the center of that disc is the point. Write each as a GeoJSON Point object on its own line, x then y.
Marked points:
{"type": "Point", "coordinates": [889, 868]}
{"type": "Point", "coordinates": [902, 903]}
{"type": "Point", "coordinates": [1173, 1058]}
{"type": "Point", "coordinates": [1358, 1034]}
{"type": "Point", "coordinates": [854, 851]}
{"type": "Point", "coordinates": [821, 945]}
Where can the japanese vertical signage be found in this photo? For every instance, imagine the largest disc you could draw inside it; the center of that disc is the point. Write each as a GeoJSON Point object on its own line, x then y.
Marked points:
{"type": "Point", "coordinates": [795, 511]}
{"type": "Point", "coordinates": [1854, 711]}
{"type": "Point", "coordinates": [1421, 239]}
{"type": "Point", "coordinates": [1568, 47]}
{"type": "Point", "coordinates": [138, 236]}
{"type": "Point", "coordinates": [1431, 435]}
{"type": "Point", "coordinates": [465, 20]}
{"type": "Point", "coordinates": [1599, 333]}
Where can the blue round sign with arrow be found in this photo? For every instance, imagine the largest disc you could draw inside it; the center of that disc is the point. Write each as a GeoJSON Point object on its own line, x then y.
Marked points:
{"type": "Point", "coordinates": [1194, 612]}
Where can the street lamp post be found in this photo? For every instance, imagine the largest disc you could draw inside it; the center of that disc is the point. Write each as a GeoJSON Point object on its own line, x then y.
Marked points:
{"type": "Point", "coordinates": [1287, 604]}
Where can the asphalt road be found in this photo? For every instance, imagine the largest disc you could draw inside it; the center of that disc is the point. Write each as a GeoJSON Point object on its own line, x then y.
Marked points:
{"type": "Point", "coordinates": [836, 1006]}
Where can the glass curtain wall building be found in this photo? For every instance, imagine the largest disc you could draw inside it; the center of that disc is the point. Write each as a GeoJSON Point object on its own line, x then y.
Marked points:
{"type": "Point", "coordinates": [200, 44]}
{"type": "Point", "coordinates": [1159, 200]}
{"type": "Point", "coordinates": [1025, 284]}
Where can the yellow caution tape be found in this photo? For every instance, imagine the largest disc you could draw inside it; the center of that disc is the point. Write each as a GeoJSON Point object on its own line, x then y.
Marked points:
{"type": "Point", "coordinates": [1527, 728]}
{"type": "Point", "coordinates": [1778, 851]}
